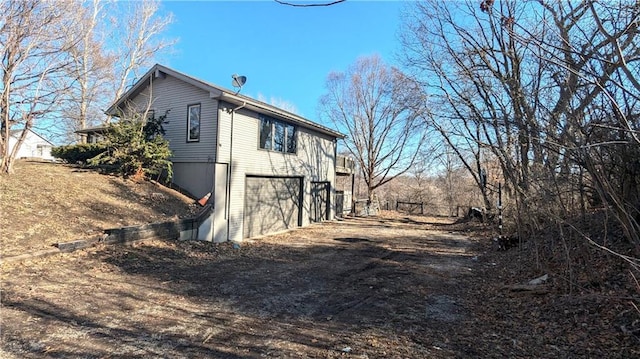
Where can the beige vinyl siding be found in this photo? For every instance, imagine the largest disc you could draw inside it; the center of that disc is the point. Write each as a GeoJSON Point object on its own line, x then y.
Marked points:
{"type": "Point", "coordinates": [194, 177]}
{"type": "Point", "coordinates": [171, 94]}
{"type": "Point", "coordinates": [314, 160]}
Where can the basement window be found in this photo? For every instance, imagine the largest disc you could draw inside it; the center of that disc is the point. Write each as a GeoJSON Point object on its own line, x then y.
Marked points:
{"type": "Point", "coordinates": [276, 135]}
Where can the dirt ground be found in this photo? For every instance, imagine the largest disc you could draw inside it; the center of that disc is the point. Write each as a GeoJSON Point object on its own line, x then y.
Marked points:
{"type": "Point", "coordinates": [380, 287]}
{"type": "Point", "coordinates": [46, 203]}
{"type": "Point", "coordinates": [392, 286]}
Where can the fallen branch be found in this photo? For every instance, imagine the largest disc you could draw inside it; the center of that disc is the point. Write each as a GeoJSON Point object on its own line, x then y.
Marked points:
{"type": "Point", "coordinates": [526, 288]}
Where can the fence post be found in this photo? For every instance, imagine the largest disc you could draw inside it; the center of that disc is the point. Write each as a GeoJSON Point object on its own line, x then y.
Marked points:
{"type": "Point", "coordinates": [353, 194]}
{"type": "Point", "coordinates": [500, 207]}
{"type": "Point", "coordinates": [397, 203]}
{"type": "Point", "coordinates": [421, 207]}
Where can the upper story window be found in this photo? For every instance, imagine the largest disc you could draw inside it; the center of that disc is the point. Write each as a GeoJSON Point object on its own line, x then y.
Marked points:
{"type": "Point", "coordinates": [193, 123]}
{"type": "Point", "coordinates": [277, 135]}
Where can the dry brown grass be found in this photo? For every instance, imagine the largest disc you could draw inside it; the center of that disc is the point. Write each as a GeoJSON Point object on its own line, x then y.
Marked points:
{"type": "Point", "coordinates": [47, 203]}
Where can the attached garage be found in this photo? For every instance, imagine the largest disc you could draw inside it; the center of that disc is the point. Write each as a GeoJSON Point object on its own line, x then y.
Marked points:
{"type": "Point", "coordinates": [271, 204]}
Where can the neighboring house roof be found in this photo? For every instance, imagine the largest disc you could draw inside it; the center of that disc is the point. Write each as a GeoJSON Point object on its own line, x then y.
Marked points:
{"type": "Point", "coordinates": [219, 93]}
{"type": "Point", "coordinates": [16, 134]}
{"type": "Point", "coordinates": [97, 129]}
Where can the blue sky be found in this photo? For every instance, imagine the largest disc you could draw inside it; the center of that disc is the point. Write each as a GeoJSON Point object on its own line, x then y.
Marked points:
{"type": "Point", "coordinates": [285, 52]}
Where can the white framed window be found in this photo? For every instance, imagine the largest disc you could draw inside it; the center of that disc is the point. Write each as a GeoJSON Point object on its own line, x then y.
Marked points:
{"type": "Point", "coordinates": [193, 123]}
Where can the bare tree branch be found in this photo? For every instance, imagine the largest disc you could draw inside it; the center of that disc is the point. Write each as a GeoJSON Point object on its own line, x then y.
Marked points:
{"type": "Point", "coordinates": [550, 88]}
{"type": "Point", "coordinates": [288, 3]}
{"type": "Point", "coordinates": [381, 110]}
{"type": "Point", "coordinates": [36, 36]}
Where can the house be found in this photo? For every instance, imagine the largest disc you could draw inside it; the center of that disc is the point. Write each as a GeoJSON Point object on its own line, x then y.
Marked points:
{"type": "Point", "coordinates": [34, 146]}
{"type": "Point", "coordinates": [266, 169]}
{"type": "Point", "coordinates": [92, 134]}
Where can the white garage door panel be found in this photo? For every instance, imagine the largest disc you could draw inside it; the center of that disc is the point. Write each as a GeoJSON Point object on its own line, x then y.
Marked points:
{"type": "Point", "coordinates": [271, 204]}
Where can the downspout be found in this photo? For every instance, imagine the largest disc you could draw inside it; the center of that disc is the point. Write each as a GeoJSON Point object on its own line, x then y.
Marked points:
{"type": "Point", "coordinates": [244, 103]}
{"type": "Point", "coordinates": [334, 180]}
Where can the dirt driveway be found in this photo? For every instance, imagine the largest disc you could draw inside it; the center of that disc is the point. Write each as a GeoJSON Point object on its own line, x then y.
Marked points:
{"type": "Point", "coordinates": [403, 287]}
{"type": "Point", "coordinates": [358, 288]}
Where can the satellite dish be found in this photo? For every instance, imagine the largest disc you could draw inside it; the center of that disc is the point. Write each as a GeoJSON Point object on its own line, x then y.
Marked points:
{"type": "Point", "coordinates": [238, 81]}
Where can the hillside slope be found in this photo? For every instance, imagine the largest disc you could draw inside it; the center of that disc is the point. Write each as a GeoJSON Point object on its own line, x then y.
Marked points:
{"type": "Point", "coordinates": [45, 203]}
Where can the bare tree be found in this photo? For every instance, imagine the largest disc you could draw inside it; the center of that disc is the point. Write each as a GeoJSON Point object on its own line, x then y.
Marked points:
{"type": "Point", "coordinates": [381, 110]}
{"type": "Point", "coordinates": [35, 37]}
{"type": "Point", "coordinates": [474, 73]}
{"type": "Point", "coordinates": [91, 68]}
{"type": "Point", "coordinates": [141, 42]}
{"type": "Point", "coordinates": [118, 40]}
{"type": "Point", "coordinates": [64, 62]}
{"type": "Point", "coordinates": [550, 88]}
{"type": "Point", "coordinates": [594, 53]}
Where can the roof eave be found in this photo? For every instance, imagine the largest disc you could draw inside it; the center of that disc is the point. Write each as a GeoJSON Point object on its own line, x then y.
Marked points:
{"type": "Point", "coordinates": [159, 71]}
{"type": "Point", "coordinates": [217, 93]}
{"type": "Point", "coordinates": [92, 129]}
{"type": "Point", "coordinates": [267, 109]}
{"type": "Point", "coordinates": [113, 109]}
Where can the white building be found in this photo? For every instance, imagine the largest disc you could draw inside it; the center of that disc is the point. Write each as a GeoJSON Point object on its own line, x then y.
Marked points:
{"type": "Point", "coordinates": [34, 146]}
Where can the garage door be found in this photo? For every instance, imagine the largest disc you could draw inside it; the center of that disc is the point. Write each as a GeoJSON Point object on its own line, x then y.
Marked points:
{"type": "Point", "coordinates": [271, 204]}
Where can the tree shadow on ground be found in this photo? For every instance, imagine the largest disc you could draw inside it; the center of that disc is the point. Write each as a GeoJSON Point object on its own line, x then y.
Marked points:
{"type": "Point", "coordinates": [352, 280]}
{"type": "Point", "coordinates": [98, 340]}
{"type": "Point", "coordinates": [268, 298]}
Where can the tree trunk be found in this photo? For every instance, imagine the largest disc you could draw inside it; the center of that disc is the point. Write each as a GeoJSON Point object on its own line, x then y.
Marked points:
{"type": "Point", "coordinates": [7, 165]}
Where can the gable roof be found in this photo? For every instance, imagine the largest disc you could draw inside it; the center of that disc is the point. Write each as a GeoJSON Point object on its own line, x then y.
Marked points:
{"type": "Point", "coordinates": [16, 134]}
{"type": "Point", "coordinates": [221, 94]}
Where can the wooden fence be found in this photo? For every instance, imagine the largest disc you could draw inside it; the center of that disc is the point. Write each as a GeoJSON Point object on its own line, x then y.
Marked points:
{"type": "Point", "coordinates": [424, 208]}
